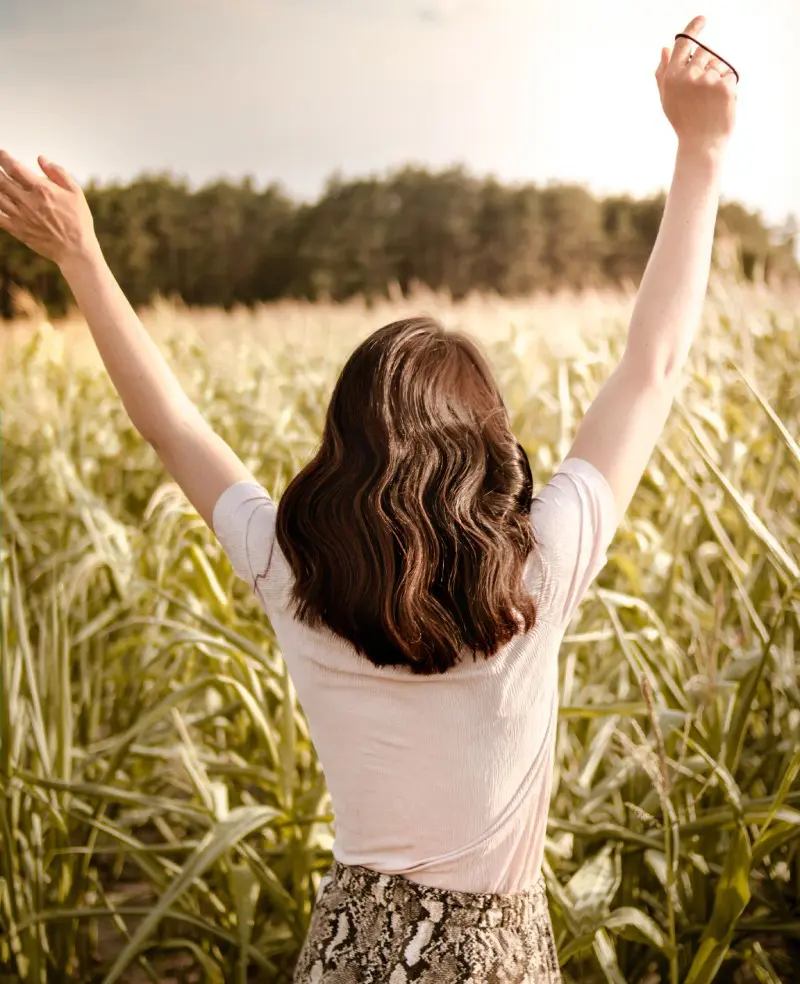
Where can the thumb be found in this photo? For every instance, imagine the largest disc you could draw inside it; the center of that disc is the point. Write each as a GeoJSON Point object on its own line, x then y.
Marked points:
{"type": "Point", "coordinates": [57, 174]}
{"type": "Point", "coordinates": [662, 66]}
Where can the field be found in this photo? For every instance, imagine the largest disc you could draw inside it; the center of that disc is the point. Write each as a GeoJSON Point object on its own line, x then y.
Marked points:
{"type": "Point", "coordinates": [162, 814]}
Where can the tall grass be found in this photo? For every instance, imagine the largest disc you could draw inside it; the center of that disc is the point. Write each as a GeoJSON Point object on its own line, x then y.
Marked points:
{"type": "Point", "coordinates": [162, 812]}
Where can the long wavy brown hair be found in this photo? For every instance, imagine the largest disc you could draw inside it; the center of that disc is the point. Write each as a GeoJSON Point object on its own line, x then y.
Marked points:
{"type": "Point", "coordinates": [409, 530]}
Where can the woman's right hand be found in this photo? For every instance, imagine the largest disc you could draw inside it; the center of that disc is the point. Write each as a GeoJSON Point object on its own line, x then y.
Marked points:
{"type": "Point", "coordinates": [48, 213]}
{"type": "Point", "coordinates": [698, 93]}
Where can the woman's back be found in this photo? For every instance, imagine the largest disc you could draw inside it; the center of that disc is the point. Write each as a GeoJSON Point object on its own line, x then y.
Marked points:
{"type": "Point", "coordinates": [443, 778]}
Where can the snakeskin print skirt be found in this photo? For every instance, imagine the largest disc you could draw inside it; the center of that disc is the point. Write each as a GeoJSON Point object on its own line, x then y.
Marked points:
{"type": "Point", "coordinates": [369, 928]}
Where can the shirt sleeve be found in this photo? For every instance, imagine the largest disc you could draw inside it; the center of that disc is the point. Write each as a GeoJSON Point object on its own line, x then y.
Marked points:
{"type": "Point", "coordinates": [574, 520]}
{"type": "Point", "coordinates": [244, 523]}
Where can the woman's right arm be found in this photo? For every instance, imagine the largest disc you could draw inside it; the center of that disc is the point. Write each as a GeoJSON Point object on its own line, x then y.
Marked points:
{"type": "Point", "coordinates": [623, 424]}
{"type": "Point", "coordinates": [50, 215]}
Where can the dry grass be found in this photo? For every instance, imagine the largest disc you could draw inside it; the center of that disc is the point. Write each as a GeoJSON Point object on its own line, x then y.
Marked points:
{"type": "Point", "coordinates": [158, 791]}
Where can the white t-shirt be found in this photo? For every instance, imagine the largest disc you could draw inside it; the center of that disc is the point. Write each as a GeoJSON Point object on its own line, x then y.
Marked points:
{"type": "Point", "coordinates": [443, 779]}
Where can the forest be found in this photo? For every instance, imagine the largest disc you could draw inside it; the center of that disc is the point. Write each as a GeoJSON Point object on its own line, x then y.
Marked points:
{"type": "Point", "coordinates": [232, 243]}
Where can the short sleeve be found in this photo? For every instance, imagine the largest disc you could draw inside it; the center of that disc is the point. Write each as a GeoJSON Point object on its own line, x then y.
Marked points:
{"type": "Point", "coordinates": [244, 523]}
{"type": "Point", "coordinates": [574, 519]}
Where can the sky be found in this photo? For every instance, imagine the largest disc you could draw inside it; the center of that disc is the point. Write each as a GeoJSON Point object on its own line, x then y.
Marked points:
{"type": "Point", "coordinates": [294, 90]}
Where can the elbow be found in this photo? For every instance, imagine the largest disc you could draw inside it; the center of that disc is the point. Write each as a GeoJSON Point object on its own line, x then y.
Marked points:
{"type": "Point", "coordinates": [152, 431]}
{"type": "Point", "coordinates": [166, 423]}
{"type": "Point", "coordinates": [153, 438]}
{"type": "Point", "coordinates": [662, 370]}
{"type": "Point", "coordinates": [165, 436]}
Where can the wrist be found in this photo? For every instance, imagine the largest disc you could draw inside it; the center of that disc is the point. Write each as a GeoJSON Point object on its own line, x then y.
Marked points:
{"type": "Point", "coordinates": [706, 157]}
{"type": "Point", "coordinates": [80, 258]}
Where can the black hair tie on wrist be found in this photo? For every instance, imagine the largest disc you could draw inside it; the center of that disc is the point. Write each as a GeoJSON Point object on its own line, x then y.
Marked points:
{"type": "Point", "coordinates": [706, 48]}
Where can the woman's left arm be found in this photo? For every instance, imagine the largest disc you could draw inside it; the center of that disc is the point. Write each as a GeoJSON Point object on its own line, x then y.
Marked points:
{"type": "Point", "coordinates": [50, 214]}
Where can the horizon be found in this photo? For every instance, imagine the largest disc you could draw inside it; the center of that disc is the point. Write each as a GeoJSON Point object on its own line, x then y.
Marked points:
{"type": "Point", "coordinates": [384, 175]}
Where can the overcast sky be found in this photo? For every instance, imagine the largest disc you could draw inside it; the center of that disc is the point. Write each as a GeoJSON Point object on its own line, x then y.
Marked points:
{"type": "Point", "coordinates": [292, 90]}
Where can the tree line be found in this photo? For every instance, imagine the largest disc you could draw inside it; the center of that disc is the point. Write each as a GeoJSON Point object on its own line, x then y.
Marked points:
{"type": "Point", "coordinates": [233, 243]}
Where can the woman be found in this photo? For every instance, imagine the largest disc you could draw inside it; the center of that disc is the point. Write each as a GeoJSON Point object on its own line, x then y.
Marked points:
{"type": "Point", "coordinates": [418, 589]}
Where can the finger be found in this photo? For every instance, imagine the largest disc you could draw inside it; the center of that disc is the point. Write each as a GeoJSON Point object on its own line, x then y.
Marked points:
{"type": "Point", "coordinates": [711, 54]}
{"type": "Point", "coordinates": [662, 65]}
{"type": "Point", "coordinates": [701, 59]}
{"type": "Point", "coordinates": [24, 177]}
{"type": "Point", "coordinates": [718, 66]}
{"type": "Point", "coordinates": [683, 46]}
{"type": "Point", "coordinates": [8, 205]}
{"type": "Point", "coordinates": [57, 174]}
{"type": "Point", "coordinates": [10, 188]}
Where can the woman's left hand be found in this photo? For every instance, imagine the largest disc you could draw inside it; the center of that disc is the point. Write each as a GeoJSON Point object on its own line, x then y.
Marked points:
{"type": "Point", "coordinates": [48, 213]}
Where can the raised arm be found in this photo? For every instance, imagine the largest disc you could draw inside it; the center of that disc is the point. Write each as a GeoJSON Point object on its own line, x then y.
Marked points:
{"type": "Point", "coordinates": [623, 424]}
{"type": "Point", "coordinates": [49, 213]}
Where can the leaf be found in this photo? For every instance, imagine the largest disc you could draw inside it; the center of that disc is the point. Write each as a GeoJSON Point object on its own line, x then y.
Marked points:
{"type": "Point", "coordinates": [633, 924]}
{"type": "Point", "coordinates": [747, 689]}
{"type": "Point", "coordinates": [288, 744]}
{"type": "Point", "coordinates": [177, 697]}
{"type": "Point", "coordinates": [779, 834]}
{"type": "Point", "coordinates": [630, 923]}
{"type": "Point", "coordinates": [208, 577]}
{"type": "Point", "coordinates": [239, 824]}
{"type": "Point", "coordinates": [784, 561]}
{"type": "Point", "coordinates": [730, 901]}
{"type": "Point", "coordinates": [783, 790]}
{"type": "Point", "coordinates": [607, 958]}
{"type": "Point", "coordinates": [780, 427]}
{"type": "Point", "coordinates": [208, 929]}
{"type": "Point", "coordinates": [245, 889]}
{"type": "Point", "coordinates": [594, 885]}
{"type": "Point", "coordinates": [211, 969]}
